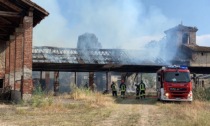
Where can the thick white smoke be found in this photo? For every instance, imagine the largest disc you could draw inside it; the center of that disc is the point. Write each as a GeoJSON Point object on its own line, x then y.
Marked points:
{"type": "Point", "coordinates": [117, 23]}
{"type": "Point", "coordinates": [88, 41]}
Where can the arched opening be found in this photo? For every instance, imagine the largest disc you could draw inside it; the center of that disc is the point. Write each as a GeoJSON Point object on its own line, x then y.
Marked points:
{"type": "Point", "coordinates": [185, 38]}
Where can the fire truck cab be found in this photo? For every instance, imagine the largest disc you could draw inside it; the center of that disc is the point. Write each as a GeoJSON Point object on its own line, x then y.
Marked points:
{"type": "Point", "coordinates": [174, 84]}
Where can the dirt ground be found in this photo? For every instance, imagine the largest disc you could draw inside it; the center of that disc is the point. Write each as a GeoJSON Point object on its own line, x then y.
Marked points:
{"type": "Point", "coordinates": [124, 112]}
{"type": "Point", "coordinates": [131, 112]}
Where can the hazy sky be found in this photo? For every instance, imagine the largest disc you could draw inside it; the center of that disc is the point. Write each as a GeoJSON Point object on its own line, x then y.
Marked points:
{"type": "Point", "coordinates": [127, 24]}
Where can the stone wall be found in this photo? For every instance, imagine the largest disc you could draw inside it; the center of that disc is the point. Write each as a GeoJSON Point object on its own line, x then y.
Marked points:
{"type": "Point", "coordinates": [200, 59]}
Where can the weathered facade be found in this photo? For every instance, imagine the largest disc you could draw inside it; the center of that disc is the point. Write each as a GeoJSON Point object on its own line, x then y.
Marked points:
{"type": "Point", "coordinates": [17, 19]}
{"type": "Point", "coordinates": [184, 38]}
{"type": "Point", "coordinates": [200, 55]}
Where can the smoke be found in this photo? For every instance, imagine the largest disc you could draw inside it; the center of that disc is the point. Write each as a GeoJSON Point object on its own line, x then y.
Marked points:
{"type": "Point", "coordinates": [126, 24]}
{"type": "Point", "coordinates": [88, 41]}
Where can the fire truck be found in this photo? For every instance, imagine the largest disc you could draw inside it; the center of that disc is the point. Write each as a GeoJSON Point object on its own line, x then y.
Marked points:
{"type": "Point", "coordinates": [174, 84]}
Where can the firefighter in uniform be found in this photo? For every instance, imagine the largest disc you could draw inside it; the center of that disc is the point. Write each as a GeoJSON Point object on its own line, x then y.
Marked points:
{"type": "Point", "coordinates": [114, 89]}
{"type": "Point", "coordinates": [137, 90]}
{"type": "Point", "coordinates": [142, 89]}
{"type": "Point", "coordinates": [123, 89]}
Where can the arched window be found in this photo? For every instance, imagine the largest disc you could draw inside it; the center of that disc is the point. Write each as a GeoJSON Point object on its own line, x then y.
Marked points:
{"type": "Point", "coordinates": [185, 38]}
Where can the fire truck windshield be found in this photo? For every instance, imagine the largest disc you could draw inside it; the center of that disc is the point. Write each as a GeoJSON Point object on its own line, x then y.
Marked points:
{"type": "Point", "coordinates": [178, 77]}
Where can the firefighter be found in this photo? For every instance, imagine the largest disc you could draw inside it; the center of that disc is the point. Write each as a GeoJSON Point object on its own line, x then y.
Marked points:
{"type": "Point", "coordinates": [142, 88]}
{"type": "Point", "coordinates": [123, 89]}
{"type": "Point", "coordinates": [137, 90]}
{"type": "Point", "coordinates": [114, 89]}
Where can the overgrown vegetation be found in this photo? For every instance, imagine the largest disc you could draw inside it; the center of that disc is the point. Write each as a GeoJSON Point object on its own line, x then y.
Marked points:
{"type": "Point", "coordinates": [184, 114]}
{"type": "Point", "coordinates": [201, 94]}
{"type": "Point", "coordinates": [96, 99]}
{"type": "Point", "coordinates": [39, 99]}
{"type": "Point", "coordinates": [85, 96]}
{"type": "Point", "coordinates": [85, 107]}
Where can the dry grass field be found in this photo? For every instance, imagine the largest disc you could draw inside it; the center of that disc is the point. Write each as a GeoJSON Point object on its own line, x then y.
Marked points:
{"type": "Point", "coordinates": [85, 108]}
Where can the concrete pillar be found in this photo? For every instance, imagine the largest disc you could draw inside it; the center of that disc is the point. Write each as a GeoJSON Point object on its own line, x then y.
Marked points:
{"type": "Point", "coordinates": [108, 80]}
{"type": "Point", "coordinates": [91, 80]}
{"type": "Point", "coordinates": [75, 78]}
{"type": "Point", "coordinates": [18, 57]}
{"type": "Point", "coordinates": [99, 81]}
{"type": "Point", "coordinates": [56, 83]}
{"type": "Point", "coordinates": [137, 78]}
{"type": "Point", "coordinates": [47, 80]}
{"type": "Point", "coordinates": [27, 56]}
{"type": "Point", "coordinates": [202, 83]}
{"type": "Point", "coordinates": [123, 77]}
{"type": "Point", "coordinates": [40, 77]}
{"type": "Point", "coordinates": [12, 62]}
{"type": "Point", "coordinates": [7, 63]}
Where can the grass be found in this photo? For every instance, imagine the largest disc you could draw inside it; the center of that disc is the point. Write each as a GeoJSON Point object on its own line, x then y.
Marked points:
{"type": "Point", "coordinates": [81, 107]}
{"type": "Point", "coordinates": [184, 114]}
{"type": "Point", "coordinates": [201, 94]}
{"type": "Point", "coordinates": [84, 107]}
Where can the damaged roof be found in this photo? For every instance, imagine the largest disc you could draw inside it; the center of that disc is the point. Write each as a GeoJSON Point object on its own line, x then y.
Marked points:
{"type": "Point", "coordinates": [181, 27]}
{"type": "Point", "coordinates": [197, 48]}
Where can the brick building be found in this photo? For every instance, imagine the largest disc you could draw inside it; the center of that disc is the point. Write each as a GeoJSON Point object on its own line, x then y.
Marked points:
{"type": "Point", "coordinates": [17, 19]}
{"type": "Point", "coordinates": [183, 38]}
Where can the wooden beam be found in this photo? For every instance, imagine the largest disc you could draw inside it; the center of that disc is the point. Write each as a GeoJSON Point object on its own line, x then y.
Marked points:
{"type": "Point", "coordinates": [5, 20]}
{"type": "Point", "coordinates": [6, 26]}
{"type": "Point", "coordinates": [3, 38]}
{"type": "Point", "coordinates": [2, 34]}
{"type": "Point", "coordinates": [9, 14]}
{"type": "Point", "coordinates": [10, 5]}
{"type": "Point", "coordinates": [3, 29]}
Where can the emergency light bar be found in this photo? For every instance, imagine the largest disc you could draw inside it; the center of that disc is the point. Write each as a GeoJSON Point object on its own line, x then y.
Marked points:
{"type": "Point", "coordinates": [177, 67]}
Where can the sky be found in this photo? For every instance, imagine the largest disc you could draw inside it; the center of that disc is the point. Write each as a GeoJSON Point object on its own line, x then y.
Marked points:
{"type": "Point", "coordinates": [126, 24]}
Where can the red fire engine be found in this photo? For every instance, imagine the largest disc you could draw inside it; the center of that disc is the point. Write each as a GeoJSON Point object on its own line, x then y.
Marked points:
{"type": "Point", "coordinates": [174, 84]}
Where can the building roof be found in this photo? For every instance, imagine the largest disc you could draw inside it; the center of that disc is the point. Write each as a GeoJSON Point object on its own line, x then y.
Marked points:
{"type": "Point", "coordinates": [12, 13]}
{"type": "Point", "coordinates": [197, 48]}
{"type": "Point", "coordinates": [181, 27]}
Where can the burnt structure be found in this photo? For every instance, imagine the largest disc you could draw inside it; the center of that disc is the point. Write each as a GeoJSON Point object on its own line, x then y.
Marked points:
{"type": "Point", "coordinates": [181, 45]}
{"type": "Point", "coordinates": [17, 19]}
{"type": "Point", "coordinates": [94, 60]}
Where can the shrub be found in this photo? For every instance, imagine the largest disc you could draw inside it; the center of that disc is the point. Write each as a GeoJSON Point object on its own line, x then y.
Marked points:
{"type": "Point", "coordinates": [39, 98]}
{"type": "Point", "coordinates": [201, 94]}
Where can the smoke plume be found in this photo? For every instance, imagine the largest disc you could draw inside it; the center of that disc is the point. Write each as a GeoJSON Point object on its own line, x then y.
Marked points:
{"type": "Point", "coordinates": [88, 41]}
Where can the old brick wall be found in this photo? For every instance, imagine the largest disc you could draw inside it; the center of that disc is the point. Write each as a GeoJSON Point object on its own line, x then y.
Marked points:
{"type": "Point", "coordinates": [17, 66]}
{"type": "Point", "coordinates": [12, 61]}
{"type": "Point", "coordinates": [7, 63]}
{"type": "Point", "coordinates": [2, 59]}
{"type": "Point", "coordinates": [27, 56]}
{"type": "Point", "coordinates": [18, 57]}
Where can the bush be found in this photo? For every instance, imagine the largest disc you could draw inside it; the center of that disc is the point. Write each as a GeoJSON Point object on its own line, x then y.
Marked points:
{"type": "Point", "coordinates": [201, 94]}
{"type": "Point", "coordinates": [93, 99]}
{"type": "Point", "coordinates": [39, 98]}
